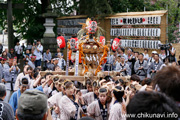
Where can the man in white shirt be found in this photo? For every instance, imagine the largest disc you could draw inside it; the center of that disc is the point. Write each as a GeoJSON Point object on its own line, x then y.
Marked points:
{"type": "Point", "coordinates": [61, 62]}
{"type": "Point", "coordinates": [38, 52]}
{"type": "Point", "coordinates": [18, 50]}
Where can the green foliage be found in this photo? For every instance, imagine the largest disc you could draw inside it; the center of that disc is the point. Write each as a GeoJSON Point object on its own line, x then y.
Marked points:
{"type": "Point", "coordinates": [173, 34]}
{"type": "Point", "coordinates": [64, 7]}
{"type": "Point", "coordinates": [122, 5]}
{"type": "Point", "coordinates": [27, 22]}
{"type": "Point", "coordinates": [94, 7]}
{"type": "Point", "coordinates": [173, 17]}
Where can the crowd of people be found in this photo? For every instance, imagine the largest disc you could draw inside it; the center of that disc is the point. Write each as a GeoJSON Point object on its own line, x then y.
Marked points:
{"type": "Point", "coordinates": [144, 86]}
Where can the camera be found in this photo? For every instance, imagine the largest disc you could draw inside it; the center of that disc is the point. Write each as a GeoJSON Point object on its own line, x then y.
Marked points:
{"type": "Point", "coordinates": [77, 91]}
{"type": "Point", "coordinates": [35, 42]}
{"type": "Point", "coordinates": [164, 46]}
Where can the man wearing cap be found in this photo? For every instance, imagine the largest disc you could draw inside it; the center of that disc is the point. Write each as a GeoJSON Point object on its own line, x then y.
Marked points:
{"type": "Point", "coordinates": [155, 66]}
{"type": "Point", "coordinates": [38, 52]}
{"type": "Point", "coordinates": [10, 73]}
{"type": "Point", "coordinates": [123, 67]}
{"type": "Point", "coordinates": [141, 67]}
{"type": "Point", "coordinates": [6, 111]}
{"type": "Point", "coordinates": [151, 59]}
{"type": "Point", "coordinates": [24, 85]}
{"type": "Point", "coordinates": [32, 106]}
{"type": "Point", "coordinates": [54, 62]}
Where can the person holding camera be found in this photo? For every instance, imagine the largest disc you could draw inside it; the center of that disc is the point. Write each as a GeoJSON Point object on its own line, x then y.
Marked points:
{"type": "Point", "coordinates": [171, 53]}
{"type": "Point", "coordinates": [38, 49]}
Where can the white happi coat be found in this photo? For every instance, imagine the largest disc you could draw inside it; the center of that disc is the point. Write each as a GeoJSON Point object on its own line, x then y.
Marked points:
{"type": "Point", "coordinates": [142, 72]}
{"type": "Point", "coordinates": [84, 91]}
{"type": "Point", "coordinates": [116, 112]}
{"type": "Point", "coordinates": [68, 109]}
{"type": "Point", "coordinates": [89, 98]}
{"type": "Point", "coordinates": [94, 110]}
{"type": "Point", "coordinates": [55, 100]}
{"type": "Point", "coordinates": [119, 67]}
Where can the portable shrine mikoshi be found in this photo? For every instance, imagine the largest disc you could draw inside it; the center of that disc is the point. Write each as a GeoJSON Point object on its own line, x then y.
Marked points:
{"type": "Point", "coordinates": [81, 79]}
{"type": "Point", "coordinates": [88, 51]}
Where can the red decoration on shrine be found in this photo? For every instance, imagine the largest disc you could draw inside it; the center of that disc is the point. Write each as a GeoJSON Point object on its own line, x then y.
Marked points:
{"type": "Point", "coordinates": [92, 27]}
{"type": "Point", "coordinates": [74, 43]}
{"type": "Point", "coordinates": [102, 40]}
{"type": "Point", "coordinates": [61, 42]}
{"type": "Point", "coordinates": [115, 44]}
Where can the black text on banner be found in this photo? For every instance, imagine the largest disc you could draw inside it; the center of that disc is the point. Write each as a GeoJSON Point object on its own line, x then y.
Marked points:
{"type": "Point", "coordinates": [136, 20]}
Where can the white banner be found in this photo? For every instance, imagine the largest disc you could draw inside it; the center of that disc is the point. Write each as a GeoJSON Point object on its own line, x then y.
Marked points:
{"type": "Point", "coordinates": [150, 44]}
{"type": "Point", "coordinates": [149, 32]}
{"type": "Point", "coordinates": [136, 20]}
